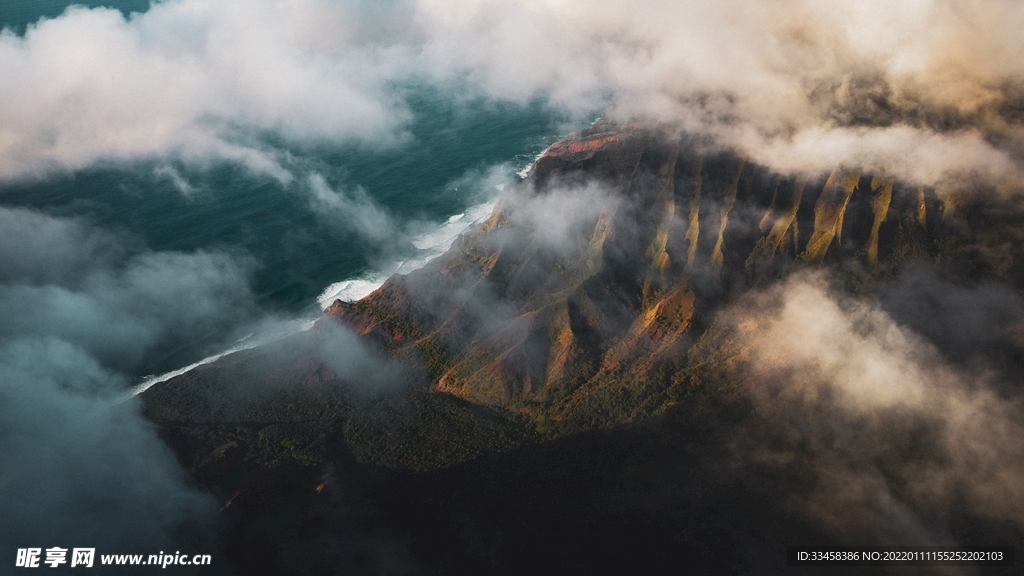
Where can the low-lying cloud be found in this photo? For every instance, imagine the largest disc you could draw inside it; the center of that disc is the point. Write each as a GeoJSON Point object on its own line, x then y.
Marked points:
{"type": "Point", "coordinates": [61, 281]}
{"type": "Point", "coordinates": [929, 89]}
{"type": "Point", "coordinates": [80, 468]}
{"type": "Point", "coordinates": [897, 438]}
{"type": "Point", "coordinates": [560, 217]}
{"type": "Point", "coordinates": [81, 311]}
{"type": "Point", "coordinates": [194, 79]}
{"type": "Point", "coordinates": [38, 249]}
{"type": "Point", "coordinates": [352, 210]}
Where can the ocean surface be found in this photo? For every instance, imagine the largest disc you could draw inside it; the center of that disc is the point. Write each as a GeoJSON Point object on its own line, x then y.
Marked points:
{"type": "Point", "coordinates": [431, 187]}
{"type": "Point", "coordinates": [18, 14]}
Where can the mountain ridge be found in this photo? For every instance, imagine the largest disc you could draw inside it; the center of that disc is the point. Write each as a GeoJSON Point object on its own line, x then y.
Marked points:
{"type": "Point", "coordinates": [649, 264]}
{"type": "Point", "coordinates": [615, 297]}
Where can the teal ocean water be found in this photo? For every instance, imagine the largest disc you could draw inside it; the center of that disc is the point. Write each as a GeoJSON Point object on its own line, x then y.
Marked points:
{"type": "Point", "coordinates": [16, 15]}
{"type": "Point", "coordinates": [458, 148]}
{"type": "Point", "coordinates": [297, 252]}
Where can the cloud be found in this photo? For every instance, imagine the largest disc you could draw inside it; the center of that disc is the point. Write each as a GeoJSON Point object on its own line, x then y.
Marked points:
{"type": "Point", "coordinates": [37, 249]}
{"type": "Point", "coordinates": [188, 78]}
{"type": "Point", "coordinates": [975, 322]}
{"type": "Point", "coordinates": [352, 210]}
{"type": "Point", "coordinates": [151, 305]}
{"type": "Point", "coordinates": [105, 294]}
{"type": "Point", "coordinates": [349, 358]}
{"type": "Point", "coordinates": [795, 84]}
{"type": "Point", "coordinates": [918, 156]}
{"type": "Point", "coordinates": [81, 311]}
{"type": "Point", "coordinates": [561, 216]}
{"type": "Point", "coordinates": [897, 439]}
{"type": "Point", "coordinates": [926, 88]}
{"type": "Point", "coordinates": [81, 468]}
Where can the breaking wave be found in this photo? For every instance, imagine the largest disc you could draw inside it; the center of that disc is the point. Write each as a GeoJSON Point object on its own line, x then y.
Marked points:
{"type": "Point", "coordinates": [429, 246]}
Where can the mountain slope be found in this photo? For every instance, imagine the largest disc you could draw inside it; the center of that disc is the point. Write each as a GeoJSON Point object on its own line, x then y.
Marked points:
{"type": "Point", "coordinates": [595, 330]}
{"type": "Point", "coordinates": [615, 336]}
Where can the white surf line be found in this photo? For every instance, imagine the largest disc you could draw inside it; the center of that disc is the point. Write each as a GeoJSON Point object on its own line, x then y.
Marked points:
{"type": "Point", "coordinates": [529, 167]}
{"type": "Point", "coordinates": [430, 245]}
{"type": "Point", "coordinates": [151, 381]}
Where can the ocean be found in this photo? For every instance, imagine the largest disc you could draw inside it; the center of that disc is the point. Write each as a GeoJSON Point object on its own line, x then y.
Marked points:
{"type": "Point", "coordinates": [432, 186]}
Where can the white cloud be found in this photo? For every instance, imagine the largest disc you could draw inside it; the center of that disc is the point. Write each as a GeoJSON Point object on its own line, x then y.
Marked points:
{"type": "Point", "coordinates": [187, 78]}
{"type": "Point", "coordinates": [890, 428]}
{"type": "Point", "coordinates": [351, 210]}
{"type": "Point", "coordinates": [80, 309]}
{"type": "Point", "coordinates": [790, 82]}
